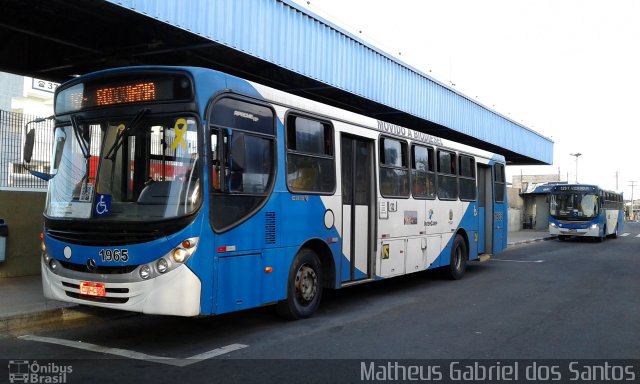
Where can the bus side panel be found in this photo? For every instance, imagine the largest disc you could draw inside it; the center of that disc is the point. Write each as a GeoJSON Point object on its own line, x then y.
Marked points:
{"type": "Point", "coordinates": [620, 220]}
{"type": "Point", "coordinates": [613, 218]}
{"type": "Point", "coordinates": [270, 238]}
{"type": "Point", "coordinates": [239, 280]}
{"type": "Point", "coordinates": [467, 225]}
{"type": "Point", "coordinates": [500, 227]}
{"type": "Point", "coordinates": [471, 226]}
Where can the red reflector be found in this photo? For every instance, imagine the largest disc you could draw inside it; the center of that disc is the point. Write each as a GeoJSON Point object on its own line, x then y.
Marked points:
{"type": "Point", "coordinates": [41, 235]}
{"type": "Point", "coordinates": [227, 248]}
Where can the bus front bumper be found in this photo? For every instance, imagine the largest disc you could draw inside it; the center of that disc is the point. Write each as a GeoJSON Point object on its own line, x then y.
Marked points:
{"type": "Point", "coordinates": [589, 232]}
{"type": "Point", "coordinates": [175, 293]}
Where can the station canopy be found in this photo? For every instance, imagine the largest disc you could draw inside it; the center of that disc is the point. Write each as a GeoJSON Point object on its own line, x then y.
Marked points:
{"type": "Point", "coordinates": [273, 42]}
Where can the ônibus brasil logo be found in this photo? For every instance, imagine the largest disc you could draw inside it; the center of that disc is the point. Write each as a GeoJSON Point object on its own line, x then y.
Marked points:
{"type": "Point", "coordinates": [25, 371]}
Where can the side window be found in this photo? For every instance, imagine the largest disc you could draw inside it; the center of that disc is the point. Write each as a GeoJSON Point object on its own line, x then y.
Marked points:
{"type": "Point", "coordinates": [394, 172]}
{"type": "Point", "coordinates": [447, 180]}
{"type": "Point", "coordinates": [242, 158]}
{"type": "Point", "coordinates": [499, 183]}
{"type": "Point", "coordinates": [423, 175]}
{"type": "Point", "coordinates": [310, 159]}
{"type": "Point", "coordinates": [467, 177]}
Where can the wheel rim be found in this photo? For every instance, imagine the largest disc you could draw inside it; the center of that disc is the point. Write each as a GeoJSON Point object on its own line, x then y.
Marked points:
{"type": "Point", "coordinates": [306, 284]}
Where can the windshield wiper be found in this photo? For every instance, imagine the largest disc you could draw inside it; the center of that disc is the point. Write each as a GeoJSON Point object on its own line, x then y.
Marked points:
{"type": "Point", "coordinates": [117, 143]}
{"type": "Point", "coordinates": [84, 144]}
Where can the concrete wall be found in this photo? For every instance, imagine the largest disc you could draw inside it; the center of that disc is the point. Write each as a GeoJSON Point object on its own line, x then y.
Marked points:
{"type": "Point", "coordinates": [22, 211]}
{"type": "Point", "coordinates": [515, 209]}
{"type": "Point", "coordinates": [517, 181]}
{"type": "Point", "coordinates": [542, 212]}
{"type": "Point", "coordinates": [515, 219]}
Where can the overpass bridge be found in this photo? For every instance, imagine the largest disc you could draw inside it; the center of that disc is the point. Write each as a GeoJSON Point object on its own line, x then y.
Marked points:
{"type": "Point", "coordinates": [274, 42]}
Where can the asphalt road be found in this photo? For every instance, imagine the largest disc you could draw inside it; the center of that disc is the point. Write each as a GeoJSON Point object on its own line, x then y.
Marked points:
{"type": "Point", "coordinates": [549, 300]}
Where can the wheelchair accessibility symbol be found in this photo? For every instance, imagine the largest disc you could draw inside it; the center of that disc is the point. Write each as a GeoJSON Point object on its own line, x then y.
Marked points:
{"type": "Point", "coordinates": [103, 204]}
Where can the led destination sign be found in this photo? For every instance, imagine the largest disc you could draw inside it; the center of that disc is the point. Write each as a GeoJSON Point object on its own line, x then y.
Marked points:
{"type": "Point", "coordinates": [130, 93]}
{"type": "Point", "coordinates": [142, 89]}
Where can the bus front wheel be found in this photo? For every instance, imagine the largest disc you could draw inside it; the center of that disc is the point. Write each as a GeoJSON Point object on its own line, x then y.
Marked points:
{"type": "Point", "coordinates": [304, 289]}
{"type": "Point", "coordinates": [603, 235]}
{"type": "Point", "coordinates": [458, 261]}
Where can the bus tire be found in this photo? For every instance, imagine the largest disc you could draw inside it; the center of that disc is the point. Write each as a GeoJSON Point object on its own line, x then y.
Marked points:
{"type": "Point", "coordinates": [614, 235]}
{"type": "Point", "coordinates": [304, 288]}
{"type": "Point", "coordinates": [458, 259]}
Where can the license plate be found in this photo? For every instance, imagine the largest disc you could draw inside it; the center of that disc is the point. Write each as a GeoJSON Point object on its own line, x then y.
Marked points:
{"type": "Point", "coordinates": [92, 289]}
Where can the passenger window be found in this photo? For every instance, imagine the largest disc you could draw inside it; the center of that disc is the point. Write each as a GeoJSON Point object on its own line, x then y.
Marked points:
{"type": "Point", "coordinates": [423, 176]}
{"type": "Point", "coordinates": [467, 178]}
{"type": "Point", "coordinates": [499, 182]}
{"type": "Point", "coordinates": [447, 180]}
{"type": "Point", "coordinates": [394, 172]}
{"type": "Point", "coordinates": [310, 160]}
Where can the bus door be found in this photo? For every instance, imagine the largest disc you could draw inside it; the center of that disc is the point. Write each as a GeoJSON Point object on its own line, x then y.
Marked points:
{"type": "Point", "coordinates": [485, 209]}
{"type": "Point", "coordinates": [358, 212]}
{"type": "Point", "coordinates": [499, 209]}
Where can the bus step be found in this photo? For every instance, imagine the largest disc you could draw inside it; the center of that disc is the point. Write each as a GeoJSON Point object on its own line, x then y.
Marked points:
{"type": "Point", "coordinates": [484, 257]}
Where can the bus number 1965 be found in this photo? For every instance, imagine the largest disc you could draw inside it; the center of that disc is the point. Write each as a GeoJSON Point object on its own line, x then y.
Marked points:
{"type": "Point", "coordinates": [107, 255]}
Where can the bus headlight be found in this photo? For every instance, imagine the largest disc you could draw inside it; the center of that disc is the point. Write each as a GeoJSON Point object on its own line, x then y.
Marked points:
{"type": "Point", "coordinates": [145, 272]}
{"type": "Point", "coordinates": [180, 255]}
{"type": "Point", "coordinates": [553, 225]}
{"type": "Point", "coordinates": [162, 265]}
{"type": "Point", "coordinates": [54, 264]}
{"type": "Point", "coordinates": [594, 226]}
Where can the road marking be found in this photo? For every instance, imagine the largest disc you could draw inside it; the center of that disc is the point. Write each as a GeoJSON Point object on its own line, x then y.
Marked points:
{"type": "Point", "coordinates": [520, 261]}
{"type": "Point", "coordinates": [638, 235]}
{"type": "Point", "coordinates": [176, 362]}
{"type": "Point", "coordinates": [625, 234]}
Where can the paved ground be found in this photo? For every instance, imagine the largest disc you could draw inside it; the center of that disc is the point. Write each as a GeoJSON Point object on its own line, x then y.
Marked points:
{"type": "Point", "coordinates": [546, 300]}
{"type": "Point", "coordinates": [22, 304]}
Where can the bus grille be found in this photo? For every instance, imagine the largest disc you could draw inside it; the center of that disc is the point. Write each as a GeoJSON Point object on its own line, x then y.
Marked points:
{"type": "Point", "coordinates": [100, 270]}
{"type": "Point", "coordinates": [97, 299]}
{"type": "Point", "coordinates": [103, 238]}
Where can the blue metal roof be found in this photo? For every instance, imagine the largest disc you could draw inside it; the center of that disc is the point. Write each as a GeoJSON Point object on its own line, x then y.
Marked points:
{"type": "Point", "coordinates": [283, 33]}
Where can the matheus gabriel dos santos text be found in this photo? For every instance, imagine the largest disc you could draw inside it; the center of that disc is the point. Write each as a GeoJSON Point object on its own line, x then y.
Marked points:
{"type": "Point", "coordinates": [513, 371]}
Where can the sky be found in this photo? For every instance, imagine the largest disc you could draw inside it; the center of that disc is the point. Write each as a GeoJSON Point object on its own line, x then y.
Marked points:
{"type": "Point", "coordinates": [568, 69]}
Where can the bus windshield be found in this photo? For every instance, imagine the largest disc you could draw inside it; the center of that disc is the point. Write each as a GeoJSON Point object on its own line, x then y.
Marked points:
{"type": "Point", "coordinates": [138, 168]}
{"type": "Point", "coordinates": [574, 206]}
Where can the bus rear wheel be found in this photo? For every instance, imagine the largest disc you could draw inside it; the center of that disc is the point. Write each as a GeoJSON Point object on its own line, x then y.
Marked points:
{"type": "Point", "coordinates": [304, 289]}
{"type": "Point", "coordinates": [458, 260]}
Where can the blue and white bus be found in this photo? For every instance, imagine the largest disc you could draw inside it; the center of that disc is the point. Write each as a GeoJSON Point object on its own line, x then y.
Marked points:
{"type": "Point", "coordinates": [586, 211]}
{"type": "Point", "coordinates": [186, 191]}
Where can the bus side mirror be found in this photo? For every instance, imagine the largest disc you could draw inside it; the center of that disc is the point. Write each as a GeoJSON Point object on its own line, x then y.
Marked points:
{"type": "Point", "coordinates": [28, 145]}
{"type": "Point", "coordinates": [28, 153]}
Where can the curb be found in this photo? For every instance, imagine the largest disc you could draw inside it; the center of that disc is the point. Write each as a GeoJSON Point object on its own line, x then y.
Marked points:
{"type": "Point", "coordinates": [531, 241]}
{"type": "Point", "coordinates": [57, 316]}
